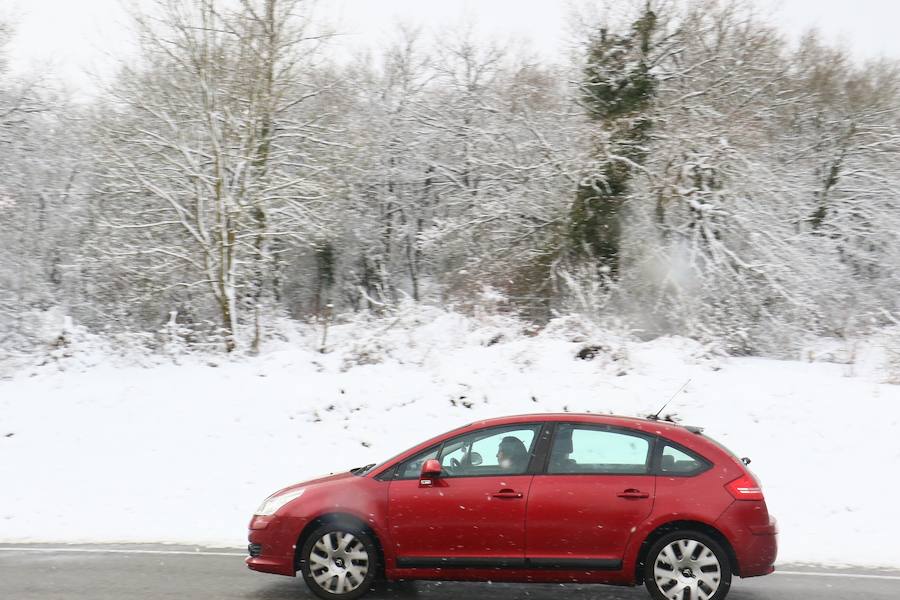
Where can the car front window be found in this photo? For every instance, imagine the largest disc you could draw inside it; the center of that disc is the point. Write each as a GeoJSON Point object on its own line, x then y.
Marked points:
{"type": "Point", "coordinates": [479, 453]}
{"type": "Point", "coordinates": [504, 451]}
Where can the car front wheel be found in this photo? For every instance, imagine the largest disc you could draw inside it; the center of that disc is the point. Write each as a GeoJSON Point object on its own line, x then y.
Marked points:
{"type": "Point", "coordinates": [339, 562]}
{"type": "Point", "coordinates": [687, 565]}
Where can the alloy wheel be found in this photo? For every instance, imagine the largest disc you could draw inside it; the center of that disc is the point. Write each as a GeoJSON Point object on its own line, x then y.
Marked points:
{"type": "Point", "coordinates": [339, 562]}
{"type": "Point", "coordinates": [687, 569]}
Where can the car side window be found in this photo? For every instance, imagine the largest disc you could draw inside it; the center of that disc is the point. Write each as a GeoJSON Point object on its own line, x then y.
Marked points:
{"type": "Point", "coordinates": [675, 461]}
{"type": "Point", "coordinates": [503, 451]}
{"type": "Point", "coordinates": [496, 451]}
{"type": "Point", "coordinates": [411, 468]}
{"type": "Point", "coordinates": [583, 449]}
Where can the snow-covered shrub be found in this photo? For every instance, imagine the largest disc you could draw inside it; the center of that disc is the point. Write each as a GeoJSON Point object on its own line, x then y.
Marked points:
{"type": "Point", "coordinates": [572, 328]}
{"type": "Point", "coordinates": [892, 355]}
{"type": "Point", "coordinates": [173, 337]}
{"type": "Point", "coordinates": [72, 345]}
{"type": "Point", "coordinates": [369, 351]}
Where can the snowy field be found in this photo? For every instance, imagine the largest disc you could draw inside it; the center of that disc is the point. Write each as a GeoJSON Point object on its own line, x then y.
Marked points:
{"type": "Point", "coordinates": [92, 449]}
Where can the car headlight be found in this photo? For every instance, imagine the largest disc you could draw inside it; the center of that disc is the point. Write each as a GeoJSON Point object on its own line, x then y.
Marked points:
{"type": "Point", "coordinates": [271, 504]}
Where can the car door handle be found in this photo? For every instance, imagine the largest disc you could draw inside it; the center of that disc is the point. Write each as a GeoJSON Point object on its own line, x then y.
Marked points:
{"type": "Point", "coordinates": [632, 493]}
{"type": "Point", "coordinates": [507, 494]}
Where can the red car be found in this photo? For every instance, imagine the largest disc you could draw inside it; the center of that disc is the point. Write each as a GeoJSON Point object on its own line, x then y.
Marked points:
{"type": "Point", "coordinates": [536, 498]}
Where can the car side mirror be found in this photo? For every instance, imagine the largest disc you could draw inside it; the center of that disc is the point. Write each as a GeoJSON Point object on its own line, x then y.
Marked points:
{"type": "Point", "coordinates": [475, 459]}
{"type": "Point", "coordinates": [431, 469]}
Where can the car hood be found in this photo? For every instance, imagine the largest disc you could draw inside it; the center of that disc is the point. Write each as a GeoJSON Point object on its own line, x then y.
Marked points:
{"type": "Point", "coordinates": [317, 482]}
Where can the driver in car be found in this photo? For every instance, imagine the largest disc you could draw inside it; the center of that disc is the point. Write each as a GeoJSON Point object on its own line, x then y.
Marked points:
{"type": "Point", "coordinates": [512, 455]}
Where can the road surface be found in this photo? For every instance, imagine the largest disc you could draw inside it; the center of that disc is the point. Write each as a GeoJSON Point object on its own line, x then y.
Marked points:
{"type": "Point", "coordinates": [142, 572]}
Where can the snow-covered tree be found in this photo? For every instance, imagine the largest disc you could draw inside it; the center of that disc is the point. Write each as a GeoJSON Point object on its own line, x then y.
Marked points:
{"type": "Point", "coordinates": [209, 153]}
{"type": "Point", "coordinates": [618, 91]}
{"type": "Point", "coordinates": [688, 172]}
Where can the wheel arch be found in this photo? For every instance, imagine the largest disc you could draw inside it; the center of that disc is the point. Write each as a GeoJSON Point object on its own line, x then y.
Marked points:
{"type": "Point", "coordinates": [683, 525]}
{"type": "Point", "coordinates": [340, 518]}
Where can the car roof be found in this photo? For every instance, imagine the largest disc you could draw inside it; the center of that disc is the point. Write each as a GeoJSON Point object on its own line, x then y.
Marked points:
{"type": "Point", "coordinates": [638, 423]}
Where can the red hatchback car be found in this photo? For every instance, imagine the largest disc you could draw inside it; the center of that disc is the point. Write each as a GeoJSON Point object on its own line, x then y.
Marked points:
{"type": "Point", "coordinates": [534, 498]}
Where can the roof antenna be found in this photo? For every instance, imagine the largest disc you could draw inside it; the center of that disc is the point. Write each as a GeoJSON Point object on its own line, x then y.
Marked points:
{"type": "Point", "coordinates": [656, 416]}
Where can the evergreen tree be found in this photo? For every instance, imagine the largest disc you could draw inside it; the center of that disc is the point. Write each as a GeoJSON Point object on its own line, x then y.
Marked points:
{"type": "Point", "coordinates": [618, 91]}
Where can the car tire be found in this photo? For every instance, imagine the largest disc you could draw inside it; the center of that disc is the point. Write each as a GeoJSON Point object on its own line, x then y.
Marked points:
{"type": "Point", "coordinates": [687, 564]}
{"type": "Point", "coordinates": [339, 561]}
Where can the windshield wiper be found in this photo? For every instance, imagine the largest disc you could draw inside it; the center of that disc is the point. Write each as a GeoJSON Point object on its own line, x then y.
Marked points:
{"type": "Point", "coordinates": [362, 470]}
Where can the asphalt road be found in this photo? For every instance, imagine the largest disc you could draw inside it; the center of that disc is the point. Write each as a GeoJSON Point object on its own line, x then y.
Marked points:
{"type": "Point", "coordinates": [34, 572]}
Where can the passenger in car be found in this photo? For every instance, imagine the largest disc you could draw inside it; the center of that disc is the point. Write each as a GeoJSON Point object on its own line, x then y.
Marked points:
{"type": "Point", "coordinates": [560, 461]}
{"type": "Point", "coordinates": [512, 455]}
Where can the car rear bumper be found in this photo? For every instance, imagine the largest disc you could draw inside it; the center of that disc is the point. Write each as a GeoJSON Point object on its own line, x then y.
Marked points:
{"type": "Point", "coordinates": [757, 555]}
{"type": "Point", "coordinates": [273, 545]}
{"type": "Point", "coordinates": [753, 535]}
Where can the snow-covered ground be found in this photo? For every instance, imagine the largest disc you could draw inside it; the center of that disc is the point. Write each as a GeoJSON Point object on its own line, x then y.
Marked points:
{"type": "Point", "coordinates": [94, 450]}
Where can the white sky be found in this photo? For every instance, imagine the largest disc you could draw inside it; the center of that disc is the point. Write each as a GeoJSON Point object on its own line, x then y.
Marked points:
{"type": "Point", "coordinates": [72, 38]}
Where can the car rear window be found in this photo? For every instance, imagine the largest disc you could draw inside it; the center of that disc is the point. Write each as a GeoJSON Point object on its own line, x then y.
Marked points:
{"type": "Point", "coordinates": [680, 461]}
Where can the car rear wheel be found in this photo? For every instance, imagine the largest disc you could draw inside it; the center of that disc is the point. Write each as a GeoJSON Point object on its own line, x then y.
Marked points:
{"type": "Point", "coordinates": [687, 565]}
{"type": "Point", "coordinates": [339, 562]}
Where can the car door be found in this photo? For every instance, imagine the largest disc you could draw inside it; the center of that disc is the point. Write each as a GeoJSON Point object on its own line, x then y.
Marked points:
{"type": "Point", "coordinates": [597, 488]}
{"type": "Point", "coordinates": [473, 515]}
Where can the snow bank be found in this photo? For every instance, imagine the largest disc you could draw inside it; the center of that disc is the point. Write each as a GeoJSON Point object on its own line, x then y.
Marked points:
{"type": "Point", "coordinates": [184, 453]}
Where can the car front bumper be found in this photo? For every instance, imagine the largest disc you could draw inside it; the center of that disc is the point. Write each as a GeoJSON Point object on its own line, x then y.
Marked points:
{"type": "Point", "coordinates": [272, 546]}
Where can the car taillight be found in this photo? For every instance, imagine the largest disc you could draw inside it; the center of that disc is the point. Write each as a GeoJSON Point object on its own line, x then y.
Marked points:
{"type": "Point", "coordinates": [745, 488]}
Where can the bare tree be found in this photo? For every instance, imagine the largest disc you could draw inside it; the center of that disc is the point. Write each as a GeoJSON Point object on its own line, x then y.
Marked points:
{"type": "Point", "coordinates": [209, 144]}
